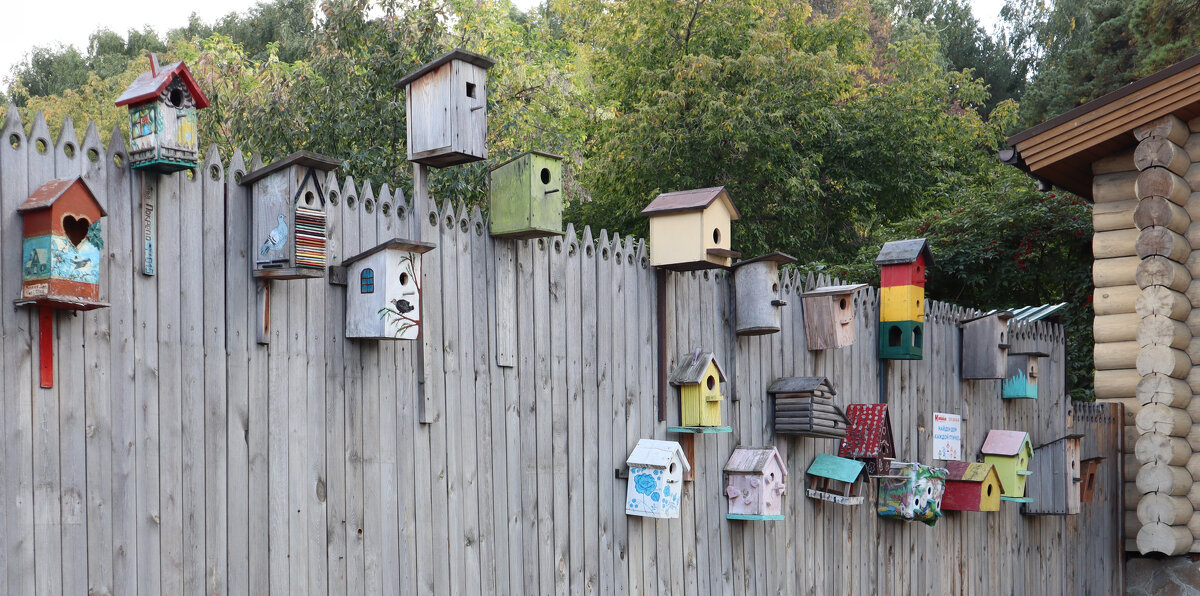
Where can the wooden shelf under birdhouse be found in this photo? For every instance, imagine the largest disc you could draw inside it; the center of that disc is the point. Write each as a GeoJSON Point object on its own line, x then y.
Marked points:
{"type": "Point", "coordinates": [742, 517]}
{"type": "Point", "coordinates": [700, 430]}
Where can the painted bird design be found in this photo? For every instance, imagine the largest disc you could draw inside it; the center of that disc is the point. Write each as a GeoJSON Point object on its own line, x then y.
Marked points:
{"type": "Point", "coordinates": [275, 238]}
{"type": "Point", "coordinates": [80, 262]}
{"type": "Point", "coordinates": [402, 306]}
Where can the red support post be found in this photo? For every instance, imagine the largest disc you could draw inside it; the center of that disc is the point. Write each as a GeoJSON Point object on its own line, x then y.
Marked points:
{"type": "Point", "coordinates": [46, 345]}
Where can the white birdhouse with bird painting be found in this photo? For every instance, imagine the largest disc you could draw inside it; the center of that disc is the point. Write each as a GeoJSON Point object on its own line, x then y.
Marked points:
{"type": "Point", "coordinates": [288, 216]}
{"type": "Point", "coordinates": [383, 291]}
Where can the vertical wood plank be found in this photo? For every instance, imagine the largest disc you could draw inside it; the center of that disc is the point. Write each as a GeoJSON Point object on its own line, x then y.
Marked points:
{"type": "Point", "coordinates": [594, 470]}
{"type": "Point", "coordinates": [170, 385]}
{"type": "Point", "coordinates": [352, 358]}
{"type": "Point", "coordinates": [216, 392]}
{"type": "Point", "coordinates": [192, 309]}
{"type": "Point", "coordinates": [559, 471]}
{"type": "Point", "coordinates": [238, 298]}
{"type": "Point", "coordinates": [369, 354]}
{"type": "Point", "coordinates": [335, 392]}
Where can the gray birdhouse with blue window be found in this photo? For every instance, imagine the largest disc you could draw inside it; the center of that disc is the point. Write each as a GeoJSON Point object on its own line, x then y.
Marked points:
{"type": "Point", "coordinates": [288, 205]}
{"type": "Point", "coordinates": [383, 291]}
{"type": "Point", "coordinates": [446, 103]}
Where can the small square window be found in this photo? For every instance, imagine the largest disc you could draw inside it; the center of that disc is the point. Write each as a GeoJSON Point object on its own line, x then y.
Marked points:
{"type": "Point", "coordinates": [470, 89]}
{"type": "Point", "coordinates": [366, 282]}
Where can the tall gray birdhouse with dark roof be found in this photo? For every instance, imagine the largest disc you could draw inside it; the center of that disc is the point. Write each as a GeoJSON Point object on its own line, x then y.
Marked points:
{"type": "Point", "coordinates": [985, 345]}
{"type": "Point", "coordinates": [163, 129]}
{"type": "Point", "coordinates": [691, 229]}
{"type": "Point", "coordinates": [446, 103]}
{"type": "Point", "coordinates": [288, 216]}
{"type": "Point", "coordinates": [757, 295]}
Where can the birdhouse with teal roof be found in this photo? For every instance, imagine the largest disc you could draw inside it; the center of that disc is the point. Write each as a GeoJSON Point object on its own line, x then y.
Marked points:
{"type": "Point", "coordinates": [383, 291]}
{"type": "Point", "coordinates": [60, 264]}
{"type": "Point", "coordinates": [288, 206]}
{"type": "Point", "coordinates": [163, 127]}
{"type": "Point", "coordinates": [656, 470]}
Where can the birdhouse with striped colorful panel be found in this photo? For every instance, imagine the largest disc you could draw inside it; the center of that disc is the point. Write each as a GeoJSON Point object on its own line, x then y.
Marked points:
{"type": "Point", "coordinates": [1057, 473]}
{"type": "Point", "coordinates": [911, 492]}
{"type": "Point", "coordinates": [446, 102]}
{"type": "Point", "coordinates": [755, 482]}
{"type": "Point", "coordinates": [60, 257]}
{"type": "Point", "coordinates": [163, 127]}
{"type": "Point", "coordinates": [656, 470]}
{"type": "Point", "coordinates": [971, 487]}
{"type": "Point", "coordinates": [1011, 452]}
{"type": "Point", "coordinates": [699, 378]}
{"type": "Point", "coordinates": [985, 345]}
{"type": "Point", "coordinates": [288, 206]}
{"type": "Point", "coordinates": [829, 316]}
{"type": "Point", "coordinates": [902, 298]}
{"type": "Point", "coordinates": [756, 293]}
{"type": "Point", "coordinates": [525, 195]}
{"type": "Point", "coordinates": [692, 229]}
{"type": "Point", "coordinates": [869, 438]}
{"type": "Point", "coordinates": [835, 479]}
{"type": "Point", "coordinates": [383, 291]}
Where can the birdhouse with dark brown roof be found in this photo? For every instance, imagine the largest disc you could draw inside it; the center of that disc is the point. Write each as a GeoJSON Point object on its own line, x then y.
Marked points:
{"type": "Point", "coordinates": [985, 345]}
{"type": "Point", "coordinates": [163, 126]}
{"type": "Point", "coordinates": [60, 262]}
{"type": "Point", "coordinates": [446, 103]}
{"type": "Point", "coordinates": [692, 229]}
{"type": "Point", "coordinates": [383, 291]}
{"type": "Point", "coordinates": [287, 219]}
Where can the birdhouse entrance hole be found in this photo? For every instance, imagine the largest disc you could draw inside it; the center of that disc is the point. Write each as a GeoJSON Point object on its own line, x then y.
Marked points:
{"type": "Point", "coordinates": [917, 337]}
{"type": "Point", "coordinates": [175, 97]}
{"type": "Point", "coordinates": [545, 175]}
{"type": "Point", "coordinates": [717, 235]}
{"type": "Point", "coordinates": [672, 469]}
{"type": "Point", "coordinates": [308, 198]}
{"type": "Point", "coordinates": [403, 278]}
{"type": "Point", "coordinates": [712, 382]}
{"type": "Point", "coordinates": [76, 229]}
{"type": "Point", "coordinates": [842, 304]}
{"type": "Point", "coordinates": [470, 89]}
{"type": "Point", "coordinates": [989, 490]}
{"type": "Point", "coordinates": [894, 337]}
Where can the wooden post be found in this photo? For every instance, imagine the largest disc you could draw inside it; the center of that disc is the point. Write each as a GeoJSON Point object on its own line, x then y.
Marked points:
{"type": "Point", "coordinates": [46, 345]}
{"type": "Point", "coordinates": [149, 222]}
{"type": "Point", "coordinates": [426, 409]}
{"type": "Point", "coordinates": [660, 313]}
{"type": "Point", "coordinates": [262, 300]}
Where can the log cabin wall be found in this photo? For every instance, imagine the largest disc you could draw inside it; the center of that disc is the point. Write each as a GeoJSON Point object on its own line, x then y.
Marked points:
{"type": "Point", "coordinates": [177, 455]}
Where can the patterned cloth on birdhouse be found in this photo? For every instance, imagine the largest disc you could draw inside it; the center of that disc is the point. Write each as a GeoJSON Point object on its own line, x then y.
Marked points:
{"type": "Point", "coordinates": [912, 492]}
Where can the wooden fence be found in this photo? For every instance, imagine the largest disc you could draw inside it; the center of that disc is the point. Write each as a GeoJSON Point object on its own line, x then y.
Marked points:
{"type": "Point", "coordinates": [176, 455]}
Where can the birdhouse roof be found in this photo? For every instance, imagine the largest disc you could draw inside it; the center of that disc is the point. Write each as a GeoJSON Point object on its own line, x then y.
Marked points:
{"type": "Point", "coordinates": [690, 200]}
{"type": "Point", "coordinates": [833, 290]}
{"type": "Point", "coordinates": [457, 54]}
{"type": "Point", "coordinates": [753, 460]}
{"type": "Point", "coordinates": [48, 193]}
{"type": "Point", "coordinates": [800, 385]}
{"type": "Point", "coordinates": [775, 257]}
{"type": "Point", "coordinates": [523, 154]}
{"type": "Point", "coordinates": [150, 83]}
{"type": "Point", "coordinates": [1004, 442]}
{"type": "Point", "coordinates": [299, 158]}
{"type": "Point", "coordinates": [652, 453]}
{"type": "Point", "coordinates": [836, 468]}
{"type": "Point", "coordinates": [870, 430]}
{"type": "Point", "coordinates": [691, 368]}
{"type": "Point", "coordinates": [1003, 315]}
{"type": "Point", "coordinates": [961, 471]}
{"type": "Point", "coordinates": [905, 251]}
{"type": "Point", "coordinates": [394, 244]}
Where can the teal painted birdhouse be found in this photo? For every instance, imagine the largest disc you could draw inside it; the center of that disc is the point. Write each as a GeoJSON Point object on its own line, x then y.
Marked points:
{"type": "Point", "coordinates": [163, 129]}
{"type": "Point", "coordinates": [525, 195]}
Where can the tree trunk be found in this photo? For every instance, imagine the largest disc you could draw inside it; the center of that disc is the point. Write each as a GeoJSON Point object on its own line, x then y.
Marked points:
{"type": "Point", "coordinates": [1161, 538]}
{"type": "Point", "coordinates": [1117, 215]}
{"type": "Point", "coordinates": [1113, 384]}
{"type": "Point", "coordinates": [1116, 356]}
{"type": "Point", "coordinates": [1163, 359]}
{"type": "Point", "coordinates": [1158, 300]}
{"type": "Point", "coordinates": [1122, 327]}
{"type": "Point", "coordinates": [1165, 390]}
{"type": "Point", "coordinates": [1163, 242]}
{"type": "Point", "coordinates": [1121, 271]}
{"type": "Point", "coordinates": [1159, 330]}
{"type": "Point", "coordinates": [1168, 127]}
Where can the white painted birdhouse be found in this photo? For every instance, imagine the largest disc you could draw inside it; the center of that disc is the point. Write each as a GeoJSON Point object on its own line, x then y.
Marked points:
{"type": "Point", "coordinates": [656, 470]}
{"type": "Point", "coordinates": [288, 216]}
{"type": "Point", "coordinates": [447, 109]}
{"type": "Point", "coordinates": [757, 295]}
{"type": "Point", "coordinates": [383, 291]}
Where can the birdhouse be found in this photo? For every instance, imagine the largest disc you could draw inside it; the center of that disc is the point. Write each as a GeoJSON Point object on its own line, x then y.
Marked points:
{"type": "Point", "coordinates": [869, 438]}
{"type": "Point", "coordinates": [902, 298]}
{"type": "Point", "coordinates": [829, 316]}
{"type": "Point", "coordinates": [526, 196]}
{"type": "Point", "coordinates": [383, 291]}
{"type": "Point", "coordinates": [1056, 470]}
{"type": "Point", "coordinates": [971, 487]}
{"type": "Point", "coordinates": [804, 406]}
{"type": "Point", "coordinates": [691, 229]}
{"type": "Point", "coordinates": [1089, 473]}
{"type": "Point", "coordinates": [162, 118]}
{"type": "Point", "coordinates": [1011, 452]}
{"type": "Point", "coordinates": [911, 491]}
{"type": "Point", "coordinates": [60, 261]}
{"type": "Point", "coordinates": [288, 216]}
{"type": "Point", "coordinates": [656, 470]}
{"type": "Point", "coordinates": [1021, 375]}
{"type": "Point", "coordinates": [756, 293]}
{"type": "Point", "coordinates": [985, 345]}
{"type": "Point", "coordinates": [699, 379]}
{"type": "Point", "coordinates": [755, 482]}
{"type": "Point", "coordinates": [446, 103]}
{"type": "Point", "coordinates": [835, 479]}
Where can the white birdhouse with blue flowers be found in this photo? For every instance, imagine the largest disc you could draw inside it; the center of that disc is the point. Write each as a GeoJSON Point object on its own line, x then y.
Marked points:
{"type": "Point", "coordinates": [383, 291]}
{"type": "Point", "coordinates": [288, 216]}
{"type": "Point", "coordinates": [656, 470]}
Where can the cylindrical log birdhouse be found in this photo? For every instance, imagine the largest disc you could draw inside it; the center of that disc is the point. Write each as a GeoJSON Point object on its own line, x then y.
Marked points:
{"type": "Point", "coordinates": [757, 295]}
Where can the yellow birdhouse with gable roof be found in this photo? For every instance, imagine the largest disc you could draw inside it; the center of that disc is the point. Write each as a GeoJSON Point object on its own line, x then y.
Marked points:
{"type": "Point", "coordinates": [699, 378]}
{"type": "Point", "coordinates": [691, 229]}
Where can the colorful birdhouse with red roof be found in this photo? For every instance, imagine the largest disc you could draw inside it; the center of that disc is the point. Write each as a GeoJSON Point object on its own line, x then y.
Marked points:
{"type": "Point", "coordinates": [755, 482]}
{"type": "Point", "coordinates": [163, 129]}
{"type": "Point", "coordinates": [60, 262]}
{"type": "Point", "coordinates": [1011, 452]}
{"type": "Point", "coordinates": [971, 487]}
{"type": "Point", "coordinates": [692, 229]}
{"type": "Point", "coordinates": [287, 216]}
{"type": "Point", "coordinates": [903, 266]}
{"type": "Point", "coordinates": [869, 438]}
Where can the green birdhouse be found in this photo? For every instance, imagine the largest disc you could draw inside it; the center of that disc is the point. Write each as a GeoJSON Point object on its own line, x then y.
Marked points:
{"type": "Point", "coordinates": [526, 196]}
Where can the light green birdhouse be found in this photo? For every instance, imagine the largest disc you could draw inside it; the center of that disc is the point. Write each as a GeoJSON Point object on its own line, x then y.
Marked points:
{"type": "Point", "coordinates": [526, 196]}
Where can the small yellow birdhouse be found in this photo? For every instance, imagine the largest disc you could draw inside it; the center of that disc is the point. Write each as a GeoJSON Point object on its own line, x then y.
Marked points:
{"type": "Point", "coordinates": [691, 229]}
{"type": "Point", "coordinates": [829, 316]}
{"type": "Point", "coordinates": [1011, 452]}
{"type": "Point", "coordinates": [699, 378]}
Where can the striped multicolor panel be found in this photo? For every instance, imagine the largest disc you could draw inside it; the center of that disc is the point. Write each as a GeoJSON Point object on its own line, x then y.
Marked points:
{"type": "Point", "coordinates": [310, 238]}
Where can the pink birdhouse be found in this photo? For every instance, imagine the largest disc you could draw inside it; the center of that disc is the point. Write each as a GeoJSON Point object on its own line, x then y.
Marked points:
{"type": "Point", "coordinates": [756, 483]}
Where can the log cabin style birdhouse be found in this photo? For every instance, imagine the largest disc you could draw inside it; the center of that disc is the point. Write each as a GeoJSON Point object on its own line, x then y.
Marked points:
{"type": "Point", "coordinates": [756, 293]}
{"type": "Point", "coordinates": [835, 479]}
{"type": "Point", "coordinates": [525, 195]}
{"type": "Point", "coordinates": [911, 492]}
{"type": "Point", "coordinates": [869, 438]}
{"type": "Point", "coordinates": [804, 406]}
{"type": "Point", "coordinates": [383, 291]}
{"type": "Point", "coordinates": [971, 487]}
{"type": "Point", "coordinates": [903, 266]}
{"type": "Point", "coordinates": [1089, 474]}
{"type": "Point", "coordinates": [60, 257]}
{"type": "Point", "coordinates": [446, 103]}
{"type": "Point", "coordinates": [288, 208]}
{"type": "Point", "coordinates": [755, 483]}
{"type": "Point", "coordinates": [1057, 478]}
{"type": "Point", "coordinates": [985, 345]}
{"type": "Point", "coordinates": [692, 229]}
{"type": "Point", "coordinates": [656, 470]}
{"type": "Point", "coordinates": [699, 378]}
{"type": "Point", "coordinates": [163, 102]}
{"type": "Point", "coordinates": [829, 316]}
{"type": "Point", "coordinates": [1011, 452]}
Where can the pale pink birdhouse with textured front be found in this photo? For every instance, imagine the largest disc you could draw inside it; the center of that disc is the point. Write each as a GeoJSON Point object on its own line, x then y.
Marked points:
{"type": "Point", "coordinates": [756, 481]}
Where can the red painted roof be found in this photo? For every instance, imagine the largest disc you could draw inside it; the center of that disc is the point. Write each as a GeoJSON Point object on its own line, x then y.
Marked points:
{"type": "Point", "coordinates": [150, 83]}
{"type": "Point", "coordinates": [48, 193]}
{"type": "Point", "coordinates": [870, 429]}
{"type": "Point", "coordinates": [1004, 442]}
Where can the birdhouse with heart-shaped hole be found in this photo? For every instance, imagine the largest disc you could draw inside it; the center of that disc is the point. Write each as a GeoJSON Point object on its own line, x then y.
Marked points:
{"type": "Point", "coordinates": [755, 483]}
{"type": "Point", "coordinates": [163, 127]}
{"type": "Point", "coordinates": [446, 102]}
{"type": "Point", "coordinates": [383, 291]}
{"type": "Point", "coordinates": [525, 196]}
{"type": "Point", "coordinates": [60, 260]}
{"type": "Point", "coordinates": [656, 470]}
{"type": "Point", "coordinates": [288, 206]}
